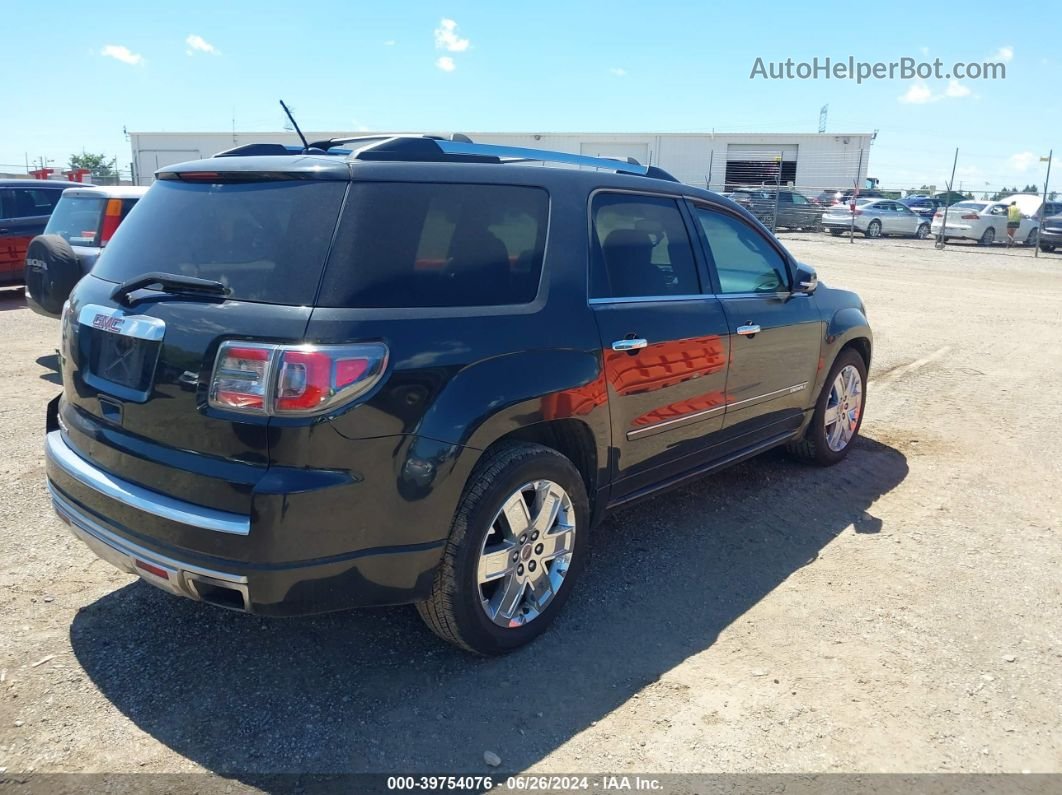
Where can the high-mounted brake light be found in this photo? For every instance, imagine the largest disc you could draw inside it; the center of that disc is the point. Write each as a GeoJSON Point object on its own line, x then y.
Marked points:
{"type": "Point", "coordinates": [256, 378]}
{"type": "Point", "coordinates": [112, 216]}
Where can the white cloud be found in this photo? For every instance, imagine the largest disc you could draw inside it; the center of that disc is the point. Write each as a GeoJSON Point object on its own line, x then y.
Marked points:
{"type": "Point", "coordinates": [956, 89]}
{"type": "Point", "coordinates": [1022, 161]}
{"type": "Point", "coordinates": [390, 43]}
{"type": "Point", "coordinates": [918, 94]}
{"type": "Point", "coordinates": [446, 63]}
{"type": "Point", "coordinates": [446, 37]}
{"type": "Point", "coordinates": [618, 72]}
{"type": "Point", "coordinates": [197, 43]}
{"type": "Point", "coordinates": [122, 53]}
{"type": "Point", "coordinates": [1004, 54]}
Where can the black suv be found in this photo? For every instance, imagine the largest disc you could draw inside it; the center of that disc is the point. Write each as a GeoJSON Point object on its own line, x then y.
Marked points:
{"type": "Point", "coordinates": [420, 370]}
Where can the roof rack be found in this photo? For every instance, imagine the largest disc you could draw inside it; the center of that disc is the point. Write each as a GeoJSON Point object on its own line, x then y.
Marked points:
{"type": "Point", "coordinates": [454, 148]}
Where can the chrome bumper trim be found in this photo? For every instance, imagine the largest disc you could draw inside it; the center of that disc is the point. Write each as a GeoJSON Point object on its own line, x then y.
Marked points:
{"type": "Point", "coordinates": [180, 577]}
{"type": "Point", "coordinates": [140, 498]}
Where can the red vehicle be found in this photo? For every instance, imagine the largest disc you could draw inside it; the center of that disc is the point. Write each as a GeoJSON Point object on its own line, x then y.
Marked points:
{"type": "Point", "coordinates": [25, 206]}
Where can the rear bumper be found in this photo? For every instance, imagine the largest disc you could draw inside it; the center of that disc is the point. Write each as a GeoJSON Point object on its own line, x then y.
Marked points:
{"type": "Point", "coordinates": [83, 496]}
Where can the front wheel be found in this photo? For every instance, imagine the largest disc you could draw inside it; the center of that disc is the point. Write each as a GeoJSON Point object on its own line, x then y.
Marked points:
{"type": "Point", "coordinates": [1032, 238]}
{"type": "Point", "coordinates": [1048, 247]}
{"type": "Point", "coordinates": [836, 232]}
{"type": "Point", "coordinates": [988, 238]}
{"type": "Point", "coordinates": [519, 541]}
{"type": "Point", "coordinates": [838, 412]}
{"type": "Point", "coordinates": [923, 231]}
{"type": "Point", "coordinates": [873, 229]}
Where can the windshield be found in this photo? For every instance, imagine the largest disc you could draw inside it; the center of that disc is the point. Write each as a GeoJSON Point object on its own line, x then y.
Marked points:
{"type": "Point", "coordinates": [265, 241]}
{"type": "Point", "coordinates": [76, 219]}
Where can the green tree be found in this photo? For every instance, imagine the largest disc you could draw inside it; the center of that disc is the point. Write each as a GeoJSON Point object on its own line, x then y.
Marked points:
{"type": "Point", "coordinates": [1031, 189]}
{"type": "Point", "coordinates": [97, 164]}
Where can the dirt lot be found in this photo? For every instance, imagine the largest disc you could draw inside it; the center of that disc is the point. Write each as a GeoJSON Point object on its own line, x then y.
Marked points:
{"type": "Point", "coordinates": [900, 612]}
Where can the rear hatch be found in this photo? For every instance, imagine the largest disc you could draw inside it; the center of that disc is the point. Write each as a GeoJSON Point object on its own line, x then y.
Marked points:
{"type": "Point", "coordinates": [137, 367]}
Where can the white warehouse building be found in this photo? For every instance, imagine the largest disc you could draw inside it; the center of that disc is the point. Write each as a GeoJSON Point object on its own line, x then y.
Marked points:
{"type": "Point", "coordinates": [809, 161]}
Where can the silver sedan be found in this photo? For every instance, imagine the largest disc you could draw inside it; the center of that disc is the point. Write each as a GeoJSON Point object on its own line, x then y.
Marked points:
{"type": "Point", "coordinates": [874, 218]}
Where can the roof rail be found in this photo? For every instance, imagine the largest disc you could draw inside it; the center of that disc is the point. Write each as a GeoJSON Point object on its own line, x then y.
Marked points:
{"type": "Point", "coordinates": [546, 156]}
{"type": "Point", "coordinates": [454, 148]}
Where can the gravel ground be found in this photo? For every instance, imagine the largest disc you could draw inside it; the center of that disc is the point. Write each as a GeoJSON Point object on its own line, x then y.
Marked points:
{"type": "Point", "coordinates": [899, 612]}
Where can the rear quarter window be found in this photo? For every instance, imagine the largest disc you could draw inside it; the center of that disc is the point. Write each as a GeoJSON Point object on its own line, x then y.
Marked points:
{"type": "Point", "coordinates": [437, 245]}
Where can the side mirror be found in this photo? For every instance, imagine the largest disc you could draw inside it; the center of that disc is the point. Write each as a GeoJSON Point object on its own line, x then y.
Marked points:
{"type": "Point", "coordinates": [806, 279]}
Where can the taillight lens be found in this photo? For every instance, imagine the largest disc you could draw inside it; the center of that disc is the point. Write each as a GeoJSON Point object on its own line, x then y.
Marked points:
{"type": "Point", "coordinates": [293, 379]}
{"type": "Point", "coordinates": [971, 217]}
{"type": "Point", "coordinates": [112, 216]}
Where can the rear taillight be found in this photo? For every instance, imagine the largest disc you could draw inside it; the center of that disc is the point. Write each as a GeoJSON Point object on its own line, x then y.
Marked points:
{"type": "Point", "coordinates": [971, 217]}
{"type": "Point", "coordinates": [857, 212]}
{"type": "Point", "coordinates": [112, 216]}
{"type": "Point", "coordinates": [938, 214]}
{"type": "Point", "coordinates": [256, 378]}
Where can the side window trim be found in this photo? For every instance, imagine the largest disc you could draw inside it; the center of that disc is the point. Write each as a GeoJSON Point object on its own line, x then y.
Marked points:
{"type": "Point", "coordinates": [717, 288]}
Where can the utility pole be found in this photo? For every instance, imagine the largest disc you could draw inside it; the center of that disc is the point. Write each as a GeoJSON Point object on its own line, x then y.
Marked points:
{"type": "Point", "coordinates": [1043, 204]}
{"type": "Point", "coordinates": [855, 195]}
{"type": "Point", "coordinates": [947, 202]}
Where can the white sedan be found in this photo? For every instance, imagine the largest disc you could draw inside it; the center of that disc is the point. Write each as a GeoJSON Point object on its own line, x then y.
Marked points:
{"type": "Point", "coordinates": [983, 221]}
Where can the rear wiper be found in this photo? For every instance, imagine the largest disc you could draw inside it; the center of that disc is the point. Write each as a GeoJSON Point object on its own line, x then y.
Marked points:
{"type": "Point", "coordinates": [170, 283]}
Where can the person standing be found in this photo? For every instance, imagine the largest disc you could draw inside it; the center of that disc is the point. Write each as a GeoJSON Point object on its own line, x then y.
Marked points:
{"type": "Point", "coordinates": [1013, 221]}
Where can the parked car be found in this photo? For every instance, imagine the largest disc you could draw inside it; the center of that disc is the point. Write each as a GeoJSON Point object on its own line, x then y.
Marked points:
{"type": "Point", "coordinates": [924, 206]}
{"type": "Point", "coordinates": [831, 198]}
{"type": "Point", "coordinates": [1051, 233]}
{"type": "Point", "coordinates": [419, 373]}
{"type": "Point", "coordinates": [81, 226]}
{"type": "Point", "coordinates": [795, 210]}
{"type": "Point", "coordinates": [876, 218]}
{"type": "Point", "coordinates": [983, 221]}
{"type": "Point", "coordinates": [25, 205]}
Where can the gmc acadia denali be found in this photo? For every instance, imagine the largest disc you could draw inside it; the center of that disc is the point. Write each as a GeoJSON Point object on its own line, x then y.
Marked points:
{"type": "Point", "coordinates": [415, 369]}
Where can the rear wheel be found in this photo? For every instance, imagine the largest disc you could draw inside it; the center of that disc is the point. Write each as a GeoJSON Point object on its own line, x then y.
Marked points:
{"type": "Point", "coordinates": [923, 231]}
{"type": "Point", "coordinates": [838, 412]}
{"type": "Point", "coordinates": [873, 229]}
{"type": "Point", "coordinates": [988, 238]}
{"type": "Point", "coordinates": [518, 543]}
{"type": "Point", "coordinates": [1032, 238]}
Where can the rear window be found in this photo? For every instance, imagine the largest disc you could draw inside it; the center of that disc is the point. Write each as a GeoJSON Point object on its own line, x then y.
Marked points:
{"type": "Point", "coordinates": [437, 245]}
{"type": "Point", "coordinates": [976, 206]}
{"type": "Point", "coordinates": [77, 220]}
{"type": "Point", "coordinates": [265, 241]}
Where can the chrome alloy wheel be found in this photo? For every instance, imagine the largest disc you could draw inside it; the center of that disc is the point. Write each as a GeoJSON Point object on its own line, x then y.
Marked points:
{"type": "Point", "coordinates": [843, 408]}
{"type": "Point", "coordinates": [526, 553]}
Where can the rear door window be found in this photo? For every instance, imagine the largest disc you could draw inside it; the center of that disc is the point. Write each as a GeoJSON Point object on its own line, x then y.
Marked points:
{"type": "Point", "coordinates": [265, 241]}
{"type": "Point", "coordinates": [641, 248]}
{"type": "Point", "coordinates": [437, 245]}
{"type": "Point", "coordinates": [32, 202]}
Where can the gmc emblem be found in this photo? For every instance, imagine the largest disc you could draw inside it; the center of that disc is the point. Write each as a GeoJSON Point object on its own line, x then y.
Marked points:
{"type": "Point", "coordinates": [108, 323]}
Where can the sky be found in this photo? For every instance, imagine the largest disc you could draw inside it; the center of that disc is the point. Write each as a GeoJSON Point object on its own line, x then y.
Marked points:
{"type": "Point", "coordinates": [79, 74]}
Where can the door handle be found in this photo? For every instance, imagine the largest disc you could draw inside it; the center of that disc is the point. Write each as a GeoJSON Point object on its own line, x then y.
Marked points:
{"type": "Point", "coordinates": [629, 345]}
{"type": "Point", "coordinates": [748, 330]}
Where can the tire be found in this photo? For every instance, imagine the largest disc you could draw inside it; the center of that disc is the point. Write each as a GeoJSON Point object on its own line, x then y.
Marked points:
{"type": "Point", "coordinates": [458, 608]}
{"type": "Point", "coordinates": [1032, 238]}
{"type": "Point", "coordinates": [52, 270]}
{"type": "Point", "coordinates": [1047, 247]}
{"type": "Point", "coordinates": [836, 232]}
{"type": "Point", "coordinates": [873, 229]}
{"type": "Point", "coordinates": [988, 237]}
{"type": "Point", "coordinates": [922, 232]}
{"type": "Point", "coordinates": [817, 444]}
